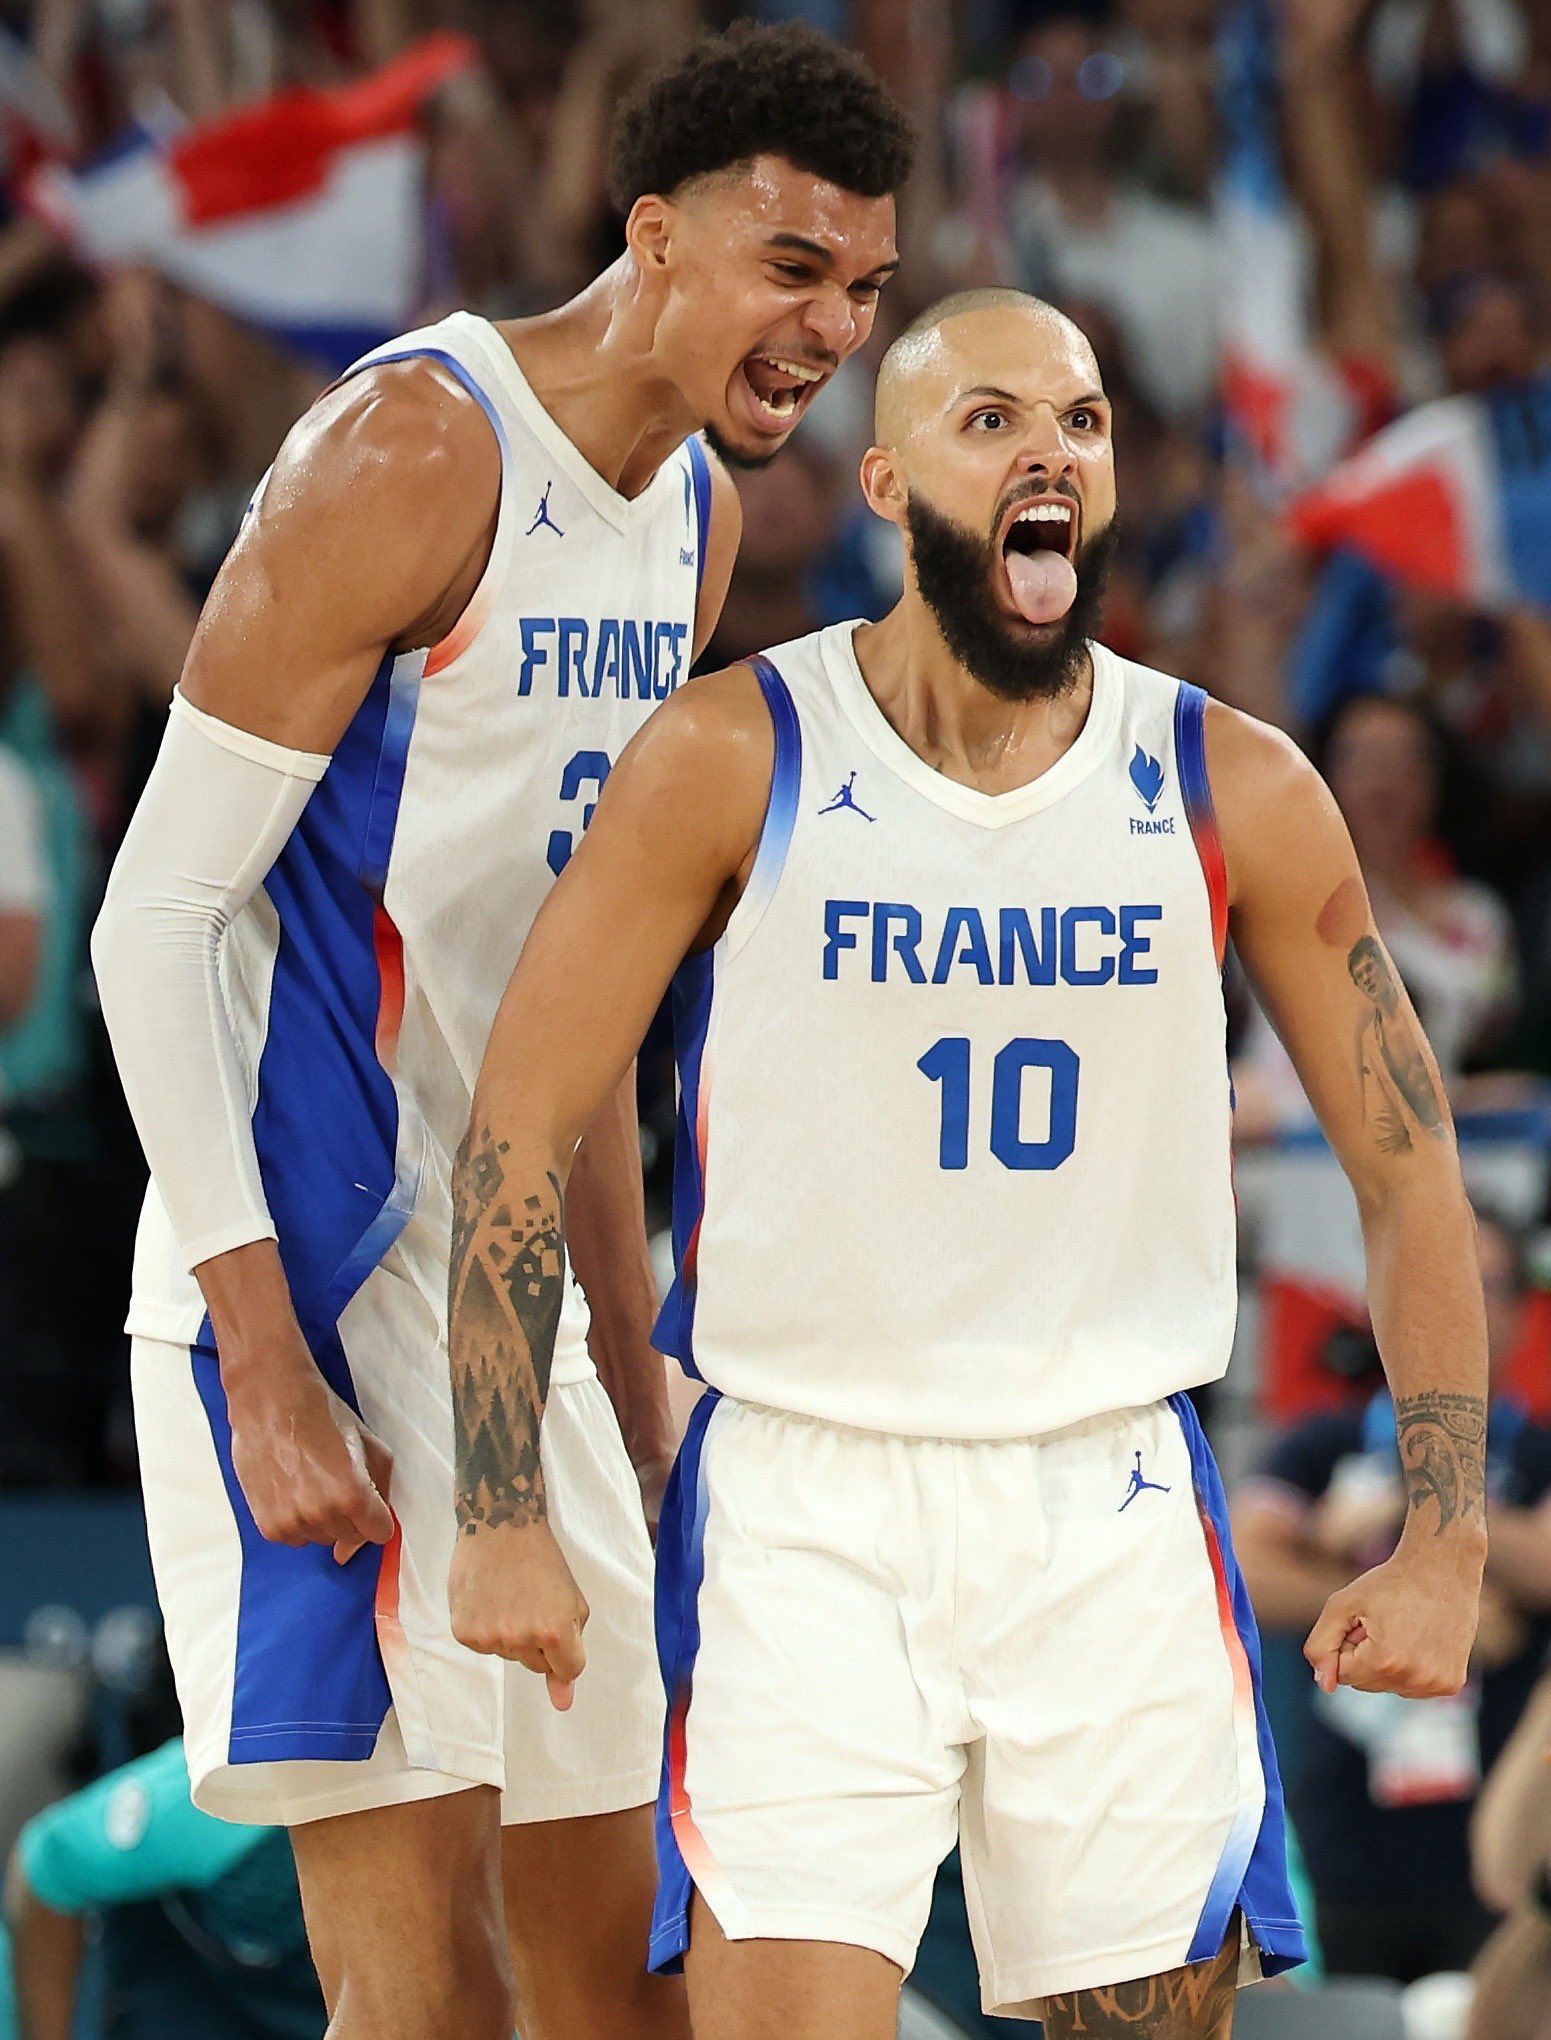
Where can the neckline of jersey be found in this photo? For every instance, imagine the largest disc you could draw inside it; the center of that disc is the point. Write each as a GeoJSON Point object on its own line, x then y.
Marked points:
{"type": "Point", "coordinates": [989, 810]}
{"type": "Point", "coordinates": [620, 511]}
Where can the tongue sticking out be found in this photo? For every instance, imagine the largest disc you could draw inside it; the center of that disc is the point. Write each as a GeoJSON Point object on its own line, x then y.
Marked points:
{"type": "Point", "coordinates": [1044, 585]}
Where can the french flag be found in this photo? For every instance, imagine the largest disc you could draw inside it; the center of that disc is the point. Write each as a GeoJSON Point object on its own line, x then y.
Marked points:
{"type": "Point", "coordinates": [303, 215]}
{"type": "Point", "coordinates": [1288, 407]}
{"type": "Point", "coordinates": [1454, 498]}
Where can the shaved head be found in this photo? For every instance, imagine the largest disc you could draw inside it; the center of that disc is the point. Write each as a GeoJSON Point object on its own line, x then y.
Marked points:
{"type": "Point", "coordinates": [926, 356]}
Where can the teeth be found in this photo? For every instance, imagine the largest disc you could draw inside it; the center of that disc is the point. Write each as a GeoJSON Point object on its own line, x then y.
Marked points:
{"type": "Point", "coordinates": [1044, 513]}
{"type": "Point", "coordinates": [795, 369]}
{"type": "Point", "coordinates": [781, 405]}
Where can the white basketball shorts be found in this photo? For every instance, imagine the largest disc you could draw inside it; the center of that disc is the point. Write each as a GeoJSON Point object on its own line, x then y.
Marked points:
{"type": "Point", "coordinates": [311, 1689]}
{"type": "Point", "coordinates": [874, 1645]}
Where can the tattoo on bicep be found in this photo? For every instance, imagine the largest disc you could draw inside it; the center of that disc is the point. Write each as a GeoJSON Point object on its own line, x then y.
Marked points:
{"type": "Point", "coordinates": [1443, 1451]}
{"type": "Point", "coordinates": [506, 1283]}
{"type": "Point", "coordinates": [1392, 1059]}
{"type": "Point", "coordinates": [1196, 2001]}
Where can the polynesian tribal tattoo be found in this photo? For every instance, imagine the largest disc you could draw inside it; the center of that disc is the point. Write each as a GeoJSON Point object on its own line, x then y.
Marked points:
{"type": "Point", "coordinates": [505, 1287]}
{"type": "Point", "coordinates": [1392, 1062]}
{"type": "Point", "coordinates": [1443, 1451]}
{"type": "Point", "coordinates": [1195, 2003]}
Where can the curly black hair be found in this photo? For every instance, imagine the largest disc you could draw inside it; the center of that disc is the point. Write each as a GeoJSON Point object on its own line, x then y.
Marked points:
{"type": "Point", "coordinates": [754, 91]}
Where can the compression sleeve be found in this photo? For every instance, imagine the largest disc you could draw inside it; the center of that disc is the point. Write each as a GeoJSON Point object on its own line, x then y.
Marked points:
{"type": "Point", "coordinates": [216, 812]}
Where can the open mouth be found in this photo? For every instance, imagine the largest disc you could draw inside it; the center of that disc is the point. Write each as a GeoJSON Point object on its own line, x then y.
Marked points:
{"type": "Point", "coordinates": [1038, 547]}
{"type": "Point", "coordinates": [779, 388]}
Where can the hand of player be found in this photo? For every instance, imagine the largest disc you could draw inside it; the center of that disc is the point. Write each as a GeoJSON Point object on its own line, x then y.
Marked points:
{"type": "Point", "coordinates": [311, 1471]}
{"type": "Point", "coordinates": [513, 1596]}
{"type": "Point", "coordinates": [1405, 1627]}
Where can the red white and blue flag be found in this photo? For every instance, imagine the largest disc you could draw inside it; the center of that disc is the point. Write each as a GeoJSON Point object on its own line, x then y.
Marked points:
{"type": "Point", "coordinates": [1454, 498]}
{"type": "Point", "coordinates": [303, 215]}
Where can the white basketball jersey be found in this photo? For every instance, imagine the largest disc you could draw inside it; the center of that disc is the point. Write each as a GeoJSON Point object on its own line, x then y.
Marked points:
{"type": "Point", "coordinates": [953, 1155]}
{"type": "Point", "coordinates": [362, 980]}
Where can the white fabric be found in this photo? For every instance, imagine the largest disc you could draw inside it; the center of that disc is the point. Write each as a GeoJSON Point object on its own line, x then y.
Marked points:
{"type": "Point", "coordinates": [23, 876]}
{"type": "Point", "coordinates": [465, 1719]}
{"type": "Point", "coordinates": [515, 719]}
{"type": "Point", "coordinates": [904, 1642]}
{"type": "Point", "coordinates": [217, 809]}
{"type": "Point", "coordinates": [848, 1268]}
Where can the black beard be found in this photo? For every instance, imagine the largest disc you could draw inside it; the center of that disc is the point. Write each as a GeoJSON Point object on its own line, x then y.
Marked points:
{"type": "Point", "coordinates": [956, 573]}
{"type": "Point", "coordinates": [731, 456]}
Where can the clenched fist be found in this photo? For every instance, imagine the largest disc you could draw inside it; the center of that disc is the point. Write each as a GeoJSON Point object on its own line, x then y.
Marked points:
{"type": "Point", "coordinates": [513, 1596]}
{"type": "Point", "coordinates": [1405, 1627]}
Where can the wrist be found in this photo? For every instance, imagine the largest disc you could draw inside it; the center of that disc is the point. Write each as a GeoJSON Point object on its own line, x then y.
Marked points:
{"type": "Point", "coordinates": [1459, 1550]}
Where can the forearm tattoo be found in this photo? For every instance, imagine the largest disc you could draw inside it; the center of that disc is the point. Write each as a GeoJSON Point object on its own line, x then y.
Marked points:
{"type": "Point", "coordinates": [1443, 1451]}
{"type": "Point", "coordinates": [504, 1292]}
{"type": "Point", "coordinates": [1195, 2003]}
{"type": "Point", "coordinates": [1392, 1066]}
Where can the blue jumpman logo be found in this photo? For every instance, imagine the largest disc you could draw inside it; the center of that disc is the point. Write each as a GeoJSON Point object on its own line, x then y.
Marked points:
{"type": "Point", "coordinates": [543, 516]}
{"type": "Point", "coordinates": [1138, 1484]}
{"type": "Point", "coordinates": [845, 798]}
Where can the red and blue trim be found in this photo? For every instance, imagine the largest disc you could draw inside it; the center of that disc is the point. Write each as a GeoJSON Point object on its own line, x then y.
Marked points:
{"type": "Point", "coordinates": [1252, 1875]}
{"type": "Point", "coordinates": [1194, 784]}
{"type": "Point", "coordinates": [694, 988]}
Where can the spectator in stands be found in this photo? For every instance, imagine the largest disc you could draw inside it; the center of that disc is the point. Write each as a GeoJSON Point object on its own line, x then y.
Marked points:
{"type": "Point", "coordinates": [198, 1923]}
{"type": "Point", "coordinates": [1511, 1855]}
{"type": "Point", "coordinates": [1382, 1802]}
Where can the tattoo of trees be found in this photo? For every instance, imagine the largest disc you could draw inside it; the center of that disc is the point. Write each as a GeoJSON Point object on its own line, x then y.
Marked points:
{"type": "Point", "coordinates": [1391, 1057]}
{"type": "Point", "coordinates": [506, 1283]}
{"type": "Point", "coordinates": [1194, 2003]}
{"type": "Point", "coordinates": [1443, 1452]}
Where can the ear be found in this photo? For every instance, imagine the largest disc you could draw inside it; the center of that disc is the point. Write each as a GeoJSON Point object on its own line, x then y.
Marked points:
{"type": "Point", "coordinates": [883, 485]}
{"type": "Point", "coordinates": [649, 232]}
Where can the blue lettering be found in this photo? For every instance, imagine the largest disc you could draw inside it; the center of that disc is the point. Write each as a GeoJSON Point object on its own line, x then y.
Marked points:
{"type": "Point", "coordinates": [1133, 945]}
{"type": "Point", "coordinates": [573, 652]}
{"type": "Point", "coordinates": [534, 655]}
{"type": "Point", "coordinates": [906, 941]}
{"type": "Point", "coordinates": [637, 664]}
{"type": "Point", "coordinates": [836, 937]}
{"type": "Point", "coordinates": [963, 922]}
{"type": "Point", "coordinates": [1039, 964]}
{"type": "Point", "coordinates": [1072, 972]}
{"type": "Point", "coordinates": [605, 665]}
{"type": "Point", "coordinates": [673, 636]}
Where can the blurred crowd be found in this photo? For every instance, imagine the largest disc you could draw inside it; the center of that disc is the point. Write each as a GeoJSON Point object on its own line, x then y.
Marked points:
{"type": "Point", "coordinates": [1072, 147]}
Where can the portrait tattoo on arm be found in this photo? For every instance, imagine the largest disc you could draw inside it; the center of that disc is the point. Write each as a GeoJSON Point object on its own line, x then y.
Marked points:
{"type": "Point", "coordinates": [1443, 1452]}
{"type": "Point", "coordinates": [506, 1283]}
{"type": "Point", "coordinates": [1392, 1063]}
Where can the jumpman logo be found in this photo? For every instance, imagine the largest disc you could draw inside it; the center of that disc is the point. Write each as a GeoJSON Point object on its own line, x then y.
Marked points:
{"type": "Point", "coordinates": [1138, 1484]}
{"type": "Point", "coordinates": [543, 517]}
{"type": "Point", "coordinates": [845, 798]}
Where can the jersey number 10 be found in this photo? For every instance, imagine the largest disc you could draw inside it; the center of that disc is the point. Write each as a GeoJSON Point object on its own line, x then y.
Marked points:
{"type": "Point", "coordinates": [947, 1062]}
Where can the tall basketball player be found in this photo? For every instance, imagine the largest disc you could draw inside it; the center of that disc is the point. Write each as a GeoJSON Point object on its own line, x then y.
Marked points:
{"type": "Point", "coordinates": [945, 1551]}
{"type": "Point", "coordinates": [477, 566]}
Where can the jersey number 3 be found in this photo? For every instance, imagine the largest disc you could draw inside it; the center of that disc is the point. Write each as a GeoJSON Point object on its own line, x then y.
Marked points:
{"type": "Point", "coordinates": [585, 772]}
{"type": "Point", "coordinates": [947, 1062]}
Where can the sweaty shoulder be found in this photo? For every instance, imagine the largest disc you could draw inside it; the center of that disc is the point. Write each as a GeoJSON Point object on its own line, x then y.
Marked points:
{"type": "Point", "coordinates": [698, 772]}
{"type": "Point", "coordinates": [1274, 811]}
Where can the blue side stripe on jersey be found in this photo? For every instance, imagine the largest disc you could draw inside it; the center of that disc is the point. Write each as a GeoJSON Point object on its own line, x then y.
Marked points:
{"type": "Point", "coordinates": [456, 369]}
{"type": "Point", "coordinates": [309, 1675]}
{"type": "Point", "coordinates": [1258, 1883]}
{"type": "Point", "coordinates": [700, 475]}
{"type": "Point", "coordinates": [693, 996]}
{"type": "Point", "coordinates": [680, 1574]}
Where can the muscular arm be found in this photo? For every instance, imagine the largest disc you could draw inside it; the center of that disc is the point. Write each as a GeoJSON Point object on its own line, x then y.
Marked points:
{"type": "Point", "coordinates": [1305, 931]}
{"type": "Point", "coordinates": [371, 532]}
{"type": "Point", "coordinates": [656, 872]}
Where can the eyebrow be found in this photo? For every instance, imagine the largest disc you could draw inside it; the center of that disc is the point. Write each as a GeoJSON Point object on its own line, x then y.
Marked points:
{"type": "Point", "coordinates": [801, 245]}
{"type": "Point", "coordinates": [1007, 396]}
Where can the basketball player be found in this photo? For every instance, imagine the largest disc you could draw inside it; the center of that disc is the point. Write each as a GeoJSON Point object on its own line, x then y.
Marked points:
{"type": "Point", "coordinates": [945, 1551]}
{"type": "Point", "coordinates": [478, 564]}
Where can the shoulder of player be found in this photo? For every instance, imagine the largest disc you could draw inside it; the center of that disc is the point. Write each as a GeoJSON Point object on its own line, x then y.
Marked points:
{"type": "Point", "coordinates": [702, 762]}
{"type": "Point", "coordinates": [1271, 805]}
{"type": "Point", "coordinates": [397, 431]}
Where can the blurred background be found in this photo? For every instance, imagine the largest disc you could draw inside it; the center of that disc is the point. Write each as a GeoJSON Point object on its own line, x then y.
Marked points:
{"type": "Point", "coordinates": [1311, 242]}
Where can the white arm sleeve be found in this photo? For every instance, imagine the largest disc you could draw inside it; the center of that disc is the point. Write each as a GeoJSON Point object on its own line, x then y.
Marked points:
{"type": "Point", "coordinates": [216, 812]}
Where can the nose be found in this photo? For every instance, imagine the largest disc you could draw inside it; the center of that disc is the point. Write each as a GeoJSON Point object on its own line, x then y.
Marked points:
{"type": "Point", "coordinates": [1045, 449]}
{"type": "Point", "coordinates": [833, 321]}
